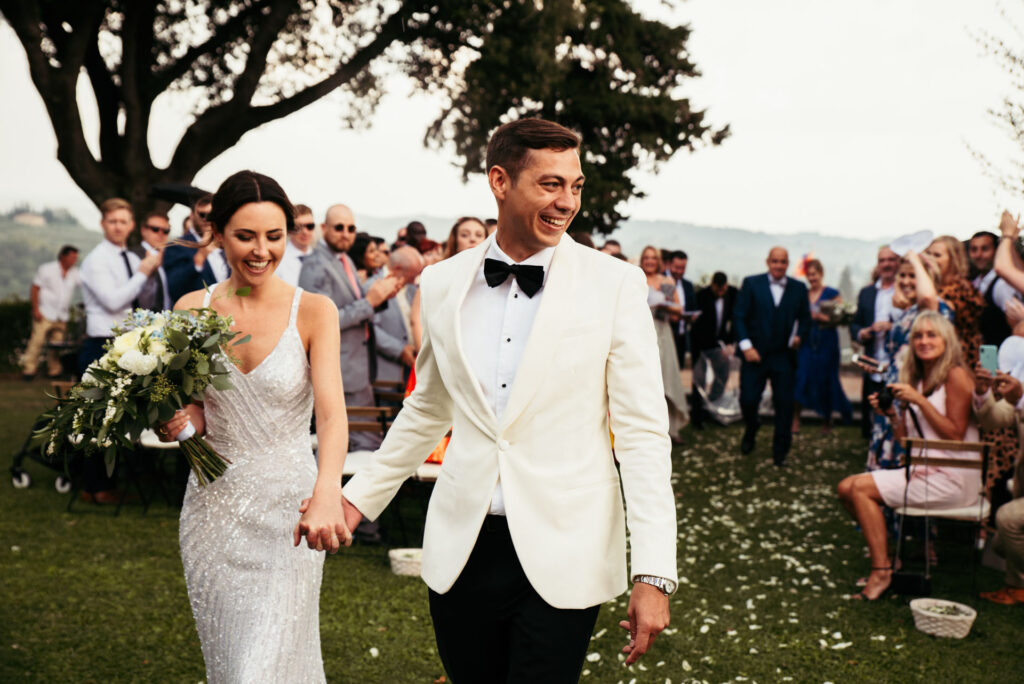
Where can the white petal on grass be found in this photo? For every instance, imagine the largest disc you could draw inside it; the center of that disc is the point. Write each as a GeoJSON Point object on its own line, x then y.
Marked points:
{"type": "Point", "coordinates": [843, 645]}
{"type": "Point", "coordinates": [374, 652]}
{"type": "Point", "coordinates": [687, 667]}
{"type": "Point", "coordinates": [704, 629]}
{"type": "Point", "coordinates": [593, 657]}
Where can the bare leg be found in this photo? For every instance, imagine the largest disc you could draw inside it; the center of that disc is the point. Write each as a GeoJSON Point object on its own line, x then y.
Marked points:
{"type": "Point", "coordinates": [861, 498]}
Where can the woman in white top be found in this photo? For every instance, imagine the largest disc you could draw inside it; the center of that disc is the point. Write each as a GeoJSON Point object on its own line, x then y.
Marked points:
{"type": "Point", "coordinates": [935, 388]}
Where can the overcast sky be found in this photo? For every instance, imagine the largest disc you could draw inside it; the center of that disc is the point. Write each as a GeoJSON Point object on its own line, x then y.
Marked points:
{"type": "Point", "coordinates": [848, 118]}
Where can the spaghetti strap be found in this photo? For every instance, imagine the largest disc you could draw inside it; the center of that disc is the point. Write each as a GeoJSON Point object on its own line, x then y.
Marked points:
{"type": "Point", "coordinates": [206, 297]}
{"type": "Point", "coordinates": [293, 316]}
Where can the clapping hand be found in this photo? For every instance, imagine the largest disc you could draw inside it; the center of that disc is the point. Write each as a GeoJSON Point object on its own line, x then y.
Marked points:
{"type": "Point", "coordinates": [1008, 226]}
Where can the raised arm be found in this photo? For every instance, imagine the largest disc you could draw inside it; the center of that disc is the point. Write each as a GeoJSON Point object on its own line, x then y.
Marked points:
{"type": "Point", "coordinates": [1008, 263]}
{"type": "Point", "coordinates": [927, 295]}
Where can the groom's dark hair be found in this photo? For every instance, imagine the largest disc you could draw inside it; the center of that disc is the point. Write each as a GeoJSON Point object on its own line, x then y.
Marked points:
{"type": "Point", "coordinates": [510, 144]}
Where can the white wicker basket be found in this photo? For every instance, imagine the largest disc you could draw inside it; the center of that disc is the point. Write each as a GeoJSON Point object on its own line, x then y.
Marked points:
{"type": "Point", "coordinates": [406, 561]}
{"type": "Point", "coordinates": [936, 624]}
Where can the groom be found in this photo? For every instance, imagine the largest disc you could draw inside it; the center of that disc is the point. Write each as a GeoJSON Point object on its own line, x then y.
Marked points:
{"type": "Point", "coordinates": [533, 347]}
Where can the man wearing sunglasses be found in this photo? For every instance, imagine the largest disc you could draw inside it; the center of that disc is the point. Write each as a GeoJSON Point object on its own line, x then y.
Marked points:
{"type": "Point", "coordinates": [301, 240]}
{"type": "Point", "coordinates": [155, 231]}
{"type": "Point", "coordinates": [187, 267]}
{"type": "Point", "coordinates": [329, 271]}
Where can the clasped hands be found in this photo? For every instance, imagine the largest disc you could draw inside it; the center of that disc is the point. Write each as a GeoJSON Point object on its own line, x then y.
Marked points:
{"type": "Point", "coordinates": [900, 391]}
{"type": "Point", "coordinates": [327, 522]}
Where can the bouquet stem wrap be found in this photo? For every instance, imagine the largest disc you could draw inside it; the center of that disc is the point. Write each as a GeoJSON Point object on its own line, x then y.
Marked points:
{"type": "Point", "coordinates": [206, 463]}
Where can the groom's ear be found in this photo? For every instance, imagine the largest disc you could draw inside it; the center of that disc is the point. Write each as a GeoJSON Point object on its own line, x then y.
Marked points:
{"type": "Point", "coordinates": [500, 182]}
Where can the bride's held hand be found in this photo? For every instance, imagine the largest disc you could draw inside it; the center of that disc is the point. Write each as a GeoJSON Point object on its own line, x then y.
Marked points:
{"type": "Point", "coordinates": [168, 431]}
{"type": "Point", "coordinates": [322, 524]}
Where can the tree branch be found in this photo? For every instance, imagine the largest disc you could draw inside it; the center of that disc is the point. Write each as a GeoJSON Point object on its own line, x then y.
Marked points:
{"type": "Point", "coordinates": [161, 79]}
{"type": "Point", "coordinates": [256, 62]}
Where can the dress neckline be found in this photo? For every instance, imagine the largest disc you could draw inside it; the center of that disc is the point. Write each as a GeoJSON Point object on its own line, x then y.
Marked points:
{"type": "Point", "coordinates": [291, 325]}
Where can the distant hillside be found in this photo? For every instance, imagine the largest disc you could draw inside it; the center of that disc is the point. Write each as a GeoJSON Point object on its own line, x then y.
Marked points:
{"type": "Point", "coordinates": [25, 247]}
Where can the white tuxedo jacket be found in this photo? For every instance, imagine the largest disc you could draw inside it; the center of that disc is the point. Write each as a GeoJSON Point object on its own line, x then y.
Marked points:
{"type": "Point", "coordinates": [591, 352]}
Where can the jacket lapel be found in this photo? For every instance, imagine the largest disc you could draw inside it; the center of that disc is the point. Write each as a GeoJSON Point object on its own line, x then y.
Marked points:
{"type": "Point", "coordinates": [466, 389]}
{"type": "Point", "coordinates": [335, 270]}
{"type": "Point", "coordinates": [552, 316]}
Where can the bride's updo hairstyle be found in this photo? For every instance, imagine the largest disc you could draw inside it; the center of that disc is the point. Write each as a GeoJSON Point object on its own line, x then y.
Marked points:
{"type": "Point", "coordinates": [243, 188]}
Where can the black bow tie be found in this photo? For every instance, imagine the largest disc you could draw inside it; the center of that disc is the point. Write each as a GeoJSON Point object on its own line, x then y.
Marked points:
{"type": "Point", "coordinates": [530, 278]}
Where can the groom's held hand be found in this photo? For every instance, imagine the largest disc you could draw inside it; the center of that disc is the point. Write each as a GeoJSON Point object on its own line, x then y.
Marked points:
{"type": "Point", "coordinates": [648, 616]}
{"type": "Point", "coordinates": [353, 516]}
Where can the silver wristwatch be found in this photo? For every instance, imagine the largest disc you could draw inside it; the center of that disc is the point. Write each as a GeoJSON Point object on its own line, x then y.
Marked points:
{"type": "Point", "coordinates": [667, 586]}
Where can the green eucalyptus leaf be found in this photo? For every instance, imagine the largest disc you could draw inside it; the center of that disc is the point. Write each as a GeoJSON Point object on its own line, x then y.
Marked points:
{"type": "Point", "coordinates": [178, 339]}
{"type": "Point", "coordinates": [202, 367]}
{"type": "Point", "coordinates": [187, 384]}
{"type": "Point", "coordinates": [211, 340]}
{"type": "Point", "coordinates": [243, 291]}
{"type": "Point", "coordinates": [110, 459]}
{"type": "Point", "coordinates": [180, 360]}
{"type": "Point", "coordinates": [221, 382]}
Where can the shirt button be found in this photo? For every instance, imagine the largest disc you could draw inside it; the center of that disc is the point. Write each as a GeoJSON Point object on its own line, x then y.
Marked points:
{"type": "Point", "coordinates": [503, 385]}
{"type": "Point", "coordinates": [503, 445]}
{"type": "Point", "coordinates": [508, 339]}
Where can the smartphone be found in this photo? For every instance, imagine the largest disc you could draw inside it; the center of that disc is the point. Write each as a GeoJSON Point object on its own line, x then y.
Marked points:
{"type": "Point", "coordinates": [878, 366]}
{"type": "Point", "coordinates": [989, 357]}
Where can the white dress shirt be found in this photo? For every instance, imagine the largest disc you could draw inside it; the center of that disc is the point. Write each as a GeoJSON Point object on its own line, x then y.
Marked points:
{"type": "Point", "coordinates": [166, 304]}
{"type": "Point", "coordinates": [291, 263]}
{"type": "Point", "coordinates": [218, 264]}
{"type": "Point", "coordinates": [495, 325]}
{"type": "Point", "coordinates": [883, 312]}
{"type": "Point", "coordinates": [56, 289]}
{"type": "Point", "coordinates": [1002, 293]}
{"type": "Point", "coordinates": [107, 290]}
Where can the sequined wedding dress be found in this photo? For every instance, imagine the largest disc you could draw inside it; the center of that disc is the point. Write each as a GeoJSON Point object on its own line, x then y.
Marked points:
{"type": "Point", "coordinates": [254, 596]}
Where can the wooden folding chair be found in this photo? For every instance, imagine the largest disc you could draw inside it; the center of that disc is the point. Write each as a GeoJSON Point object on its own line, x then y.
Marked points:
{"type": "Point", "coordinates": [916, 450]}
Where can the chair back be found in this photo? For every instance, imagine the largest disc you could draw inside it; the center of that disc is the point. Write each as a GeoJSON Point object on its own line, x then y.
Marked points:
{"type": "Point", "coordinates": [917, 449]}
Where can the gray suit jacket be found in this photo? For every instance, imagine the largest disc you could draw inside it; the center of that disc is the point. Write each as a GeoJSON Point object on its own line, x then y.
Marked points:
{"type": "Point", "coordinates": [323, 273]}
{"type": "Point", "coordinates": [391, 337]}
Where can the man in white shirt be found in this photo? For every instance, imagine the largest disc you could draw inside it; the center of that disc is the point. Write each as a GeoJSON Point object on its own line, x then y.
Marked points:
{"type": "Point", "coordinates": [872, 322]}
{"type": "Point", "coordinates": [155, 230]}
{"type": "Point", "coordinates": [533, 347]}
{"type": "Point", "coordinates": [52, 289]}
{"type": "Point", "coordinates": [301, 241]}
{"type": "Point", "coordinates": [112, 278]}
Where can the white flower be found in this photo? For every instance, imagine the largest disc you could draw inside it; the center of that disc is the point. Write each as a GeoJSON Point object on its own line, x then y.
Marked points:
{"type": "Point", "coordinates": [158, 349]}
{"type": "Point", "coordinates": [137, 363]}
{"type": "Point", "coordinates": [126, 341]}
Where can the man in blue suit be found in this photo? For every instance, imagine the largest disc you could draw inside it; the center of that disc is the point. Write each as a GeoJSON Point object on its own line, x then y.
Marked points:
{"type": "Point", "coordinates": [772, 316]}
{"type": "Point", "coordinates": [189, 268]}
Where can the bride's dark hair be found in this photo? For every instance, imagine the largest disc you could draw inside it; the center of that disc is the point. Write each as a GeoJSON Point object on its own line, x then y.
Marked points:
{"type": "Point", "coordinates": [242, 188]}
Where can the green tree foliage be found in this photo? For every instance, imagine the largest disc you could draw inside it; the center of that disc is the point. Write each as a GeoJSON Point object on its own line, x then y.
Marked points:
{"type": "Point", "coordinates": [597, 67]}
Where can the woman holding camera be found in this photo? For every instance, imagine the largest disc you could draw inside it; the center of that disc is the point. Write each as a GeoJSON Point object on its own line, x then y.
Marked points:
{"type": "Point", "coordinates": [931, 400]}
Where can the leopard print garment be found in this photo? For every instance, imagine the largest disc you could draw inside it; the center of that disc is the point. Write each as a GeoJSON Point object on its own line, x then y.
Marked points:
{"type": "Point", "coordinates": [967, 304]}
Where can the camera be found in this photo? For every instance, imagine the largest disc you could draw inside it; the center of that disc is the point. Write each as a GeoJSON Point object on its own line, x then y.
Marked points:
{"type": "Point", "coordinates": [885, 398]}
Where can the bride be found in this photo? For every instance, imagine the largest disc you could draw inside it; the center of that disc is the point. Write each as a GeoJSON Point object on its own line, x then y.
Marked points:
{"type": "Point", "coordinates": [255, 597]}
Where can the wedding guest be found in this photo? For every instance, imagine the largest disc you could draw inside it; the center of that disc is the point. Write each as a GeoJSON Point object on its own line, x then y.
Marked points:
{"type": "Point", "coordinates": [194, 261]}
{"type": "Point", "coordinates": [817, 375]}
{"type": "Point", "coordinates": [871, 324]}
{"type": "Point", "coordinates": [611, 247]}
{"type": "Point", "coordinates": [664, 303]}
{"type": "Point", "coordinates": [981, 250]}
{"type": "Point", "coordinates": [329, 270]}
{"type": "Point", "coordinates": [935, 389]}
{"type": "Point", "coordinates": [491, 225]}
{"type": "Point", "coordinates": [997, 414]}
{"type": "Point", "coordinates": [954, 289]}
{"type": "Point", "coordinates": [432, 251]}
{"type": "Point", "coordinates": [364, 254]}
{"type": "Point", "coordinates": [771, 320]}
{"type": "Point", "coordinates": [676, 270]}
{"type": "Point", "coordinates": [112, 278]}
{"type": "Point", "coordinates": [916, 293]}
{"type": "Point", "coordinates": [713, 329]}
{"type": "Point", "coordinates": [155, 231]}
{"type": "Point", "coordinates": [467, 232]}
{"type": "Point", "coordinates": [584, 239]}
{"type": "Point", "coordinates": [52, 290]}
{"type": "Point", "coordinates": [414, 232]}
{"type": "Point", "coordinates": [301, 241]}
{"type": "Point", "coordinates": [396, 352]}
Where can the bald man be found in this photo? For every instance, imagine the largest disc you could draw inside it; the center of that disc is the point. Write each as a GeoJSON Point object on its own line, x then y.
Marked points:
{"type": "Point", "coordinates": [395, 351]}
{"type": "Point", "coordinates": [771, 317]}
{"type": "Point", "coordinates": [328, 270]}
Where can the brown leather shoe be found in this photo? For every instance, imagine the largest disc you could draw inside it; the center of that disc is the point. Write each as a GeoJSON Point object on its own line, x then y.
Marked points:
{"type": "Point", "coordinates": [1006, 596]}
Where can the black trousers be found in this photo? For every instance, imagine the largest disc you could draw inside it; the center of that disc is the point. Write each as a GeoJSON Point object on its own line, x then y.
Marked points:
{"type": "Point", "coordinates": [780, 370]}
{"type": "Point", "coordinates": [492, 627]}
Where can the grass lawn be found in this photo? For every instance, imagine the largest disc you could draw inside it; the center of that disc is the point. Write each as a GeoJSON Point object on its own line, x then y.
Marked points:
{"type": "Point", "coordinates": [766, 558]}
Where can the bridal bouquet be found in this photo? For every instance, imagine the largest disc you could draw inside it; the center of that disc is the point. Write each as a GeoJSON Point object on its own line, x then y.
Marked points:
{"type": "Point", "coordinates": [157, 363]}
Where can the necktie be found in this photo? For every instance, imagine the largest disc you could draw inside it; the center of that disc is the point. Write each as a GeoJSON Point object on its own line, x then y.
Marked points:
{"type": "Point", "coordinates": [128, 267]}
{"type": "Point", "coordinates": [530, 278]}
{"type": "Point", "coordinates": [359, 293]}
